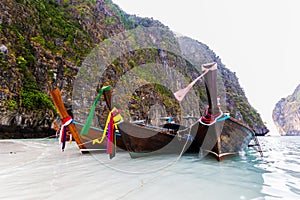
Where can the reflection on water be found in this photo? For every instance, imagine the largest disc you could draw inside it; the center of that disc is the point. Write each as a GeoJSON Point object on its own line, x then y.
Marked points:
{"type": "Point", "coordinates": [281, 160]}
{"type": "Point", "coordinates": [36, 169]}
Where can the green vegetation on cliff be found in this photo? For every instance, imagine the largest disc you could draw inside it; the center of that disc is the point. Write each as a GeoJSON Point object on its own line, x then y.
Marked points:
{"type": "Point", "coordinates": [48, 40]}
{"type": "Point", "coordinates": [31, 96]}
{"type": "Point", "coordinates": [51, 25]}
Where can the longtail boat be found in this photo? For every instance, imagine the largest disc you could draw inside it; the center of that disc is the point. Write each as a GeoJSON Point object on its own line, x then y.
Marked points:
{"type": "Point", "coordinates": [215, 133]}
{"type": "Point", "coordinates": [225, 135]}
{"type": "Point", "coordinates": [94, 140]}
{"type": "Point", "coordinates": [142, 139]}
{"type": "Point", "coordinates": [224, 138]}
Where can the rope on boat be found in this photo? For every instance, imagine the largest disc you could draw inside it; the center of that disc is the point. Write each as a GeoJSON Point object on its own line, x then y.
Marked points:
{"type": "Point", "coordinates": [48, 137]}
{"type": "Point", "coordinates": [94, 128]}
{"type": "Point", "coordinates": [215, 120]}
{"type": "Point", "coordinates": [257, 146]}
{"type": "Point", "coordinates": [185, 136]}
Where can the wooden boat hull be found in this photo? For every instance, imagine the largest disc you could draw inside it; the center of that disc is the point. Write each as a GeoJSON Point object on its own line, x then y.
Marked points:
{"type": "Point", "coordinates": [144, 140]}
{"type": "Point", "coordinates": [222, 139]}
{"type": "Point", "coordinates": [235, 137]}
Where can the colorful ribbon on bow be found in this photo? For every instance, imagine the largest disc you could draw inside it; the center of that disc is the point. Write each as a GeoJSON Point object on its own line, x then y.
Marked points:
{"type": "Point", "coordinates": [63, 132]}
{"type": "Point", "coordinates": [110, 130]}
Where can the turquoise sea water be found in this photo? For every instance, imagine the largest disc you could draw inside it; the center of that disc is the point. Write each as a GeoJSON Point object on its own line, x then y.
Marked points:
{"type": "Point", "coordinates": [37, 169]}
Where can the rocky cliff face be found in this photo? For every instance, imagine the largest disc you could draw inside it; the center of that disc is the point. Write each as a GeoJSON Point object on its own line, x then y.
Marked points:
{"type": "Point", "coordinates": [286, 114]}
{"type": "Point", "coordinates": [46, 41]}
{"type": "Point", "coordinates": [43, 44]}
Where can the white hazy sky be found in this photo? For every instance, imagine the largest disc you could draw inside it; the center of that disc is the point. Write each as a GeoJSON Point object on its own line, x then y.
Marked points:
{"type": "Point", "coordinates": [257, 39]}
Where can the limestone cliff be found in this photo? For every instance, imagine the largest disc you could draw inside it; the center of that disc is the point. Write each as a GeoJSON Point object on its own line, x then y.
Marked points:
{"type": "Point", "coordinates": [46, 41]}
{"type": "Point", "coordinates": [286, 114]}
{"type": "Point", "coordinates": [43, 44]}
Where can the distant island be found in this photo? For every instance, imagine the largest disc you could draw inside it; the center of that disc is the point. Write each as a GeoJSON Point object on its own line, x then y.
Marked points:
{"type": "Point", "coordinates": [286, 114]}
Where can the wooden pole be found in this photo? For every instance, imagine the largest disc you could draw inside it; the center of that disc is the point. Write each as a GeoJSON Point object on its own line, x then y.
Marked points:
{"type": "Point", "coordinates": [59, 104]}
{"type": "Point", "coordinates": [211, 87]}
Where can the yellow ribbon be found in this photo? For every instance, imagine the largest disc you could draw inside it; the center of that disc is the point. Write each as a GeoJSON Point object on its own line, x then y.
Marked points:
{"type": "Point", "coordinates": [104, 132]}
{"type": "Point", "coordinates": [117, 118]}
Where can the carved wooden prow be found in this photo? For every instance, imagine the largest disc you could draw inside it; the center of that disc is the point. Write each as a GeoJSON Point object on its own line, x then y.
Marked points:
{"type": "Point", "coordinates": [210, 79]}
{"type": "Point", "coordinates": [59, 104]}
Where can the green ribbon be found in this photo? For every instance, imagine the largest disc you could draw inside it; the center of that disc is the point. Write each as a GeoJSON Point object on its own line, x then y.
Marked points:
{"type": "Point", "coordinates": [87, 125]}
